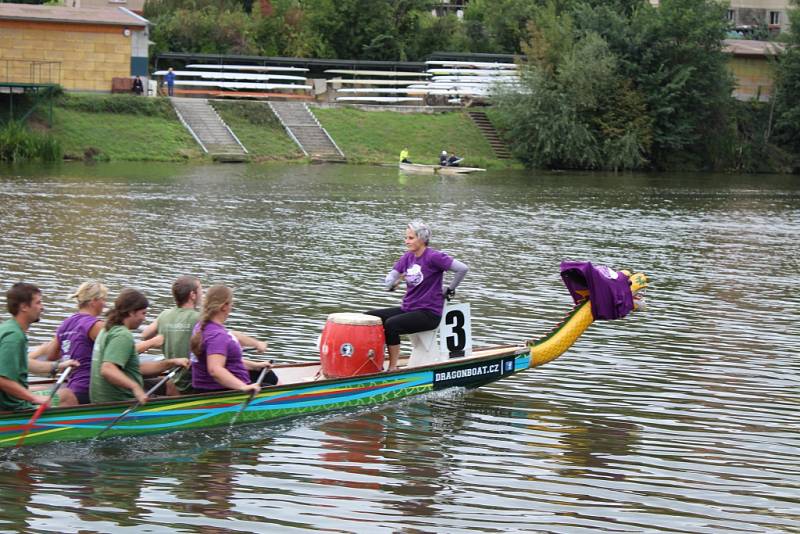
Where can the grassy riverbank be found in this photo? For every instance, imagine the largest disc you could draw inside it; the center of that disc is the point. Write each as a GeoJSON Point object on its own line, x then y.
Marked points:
{"type": "Point", "coordinates": [127, 128]}
{"type": "Point", "coordinates": [378, 136]}
{"type": "Point", "coordinates": [258, 129]}
{"type": "Point", "coordinates": [117, 128]}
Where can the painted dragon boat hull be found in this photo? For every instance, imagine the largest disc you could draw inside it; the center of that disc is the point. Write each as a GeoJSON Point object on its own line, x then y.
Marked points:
{"type": "Point", "coordinates": [166, 414]}
{"type": "Point", "coordinates": [303, 392]}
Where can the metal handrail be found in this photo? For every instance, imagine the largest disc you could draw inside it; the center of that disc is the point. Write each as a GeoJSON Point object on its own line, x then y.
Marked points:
{"type": "Point", "coordinates": [35, 71]}
{"type": "Point", "coordinates": [288, 129]}
{"type": "Point", "coordinates": [339, 150]}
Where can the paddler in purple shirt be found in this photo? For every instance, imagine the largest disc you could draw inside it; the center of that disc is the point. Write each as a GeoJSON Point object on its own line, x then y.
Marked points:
{"type": "Point", "coordinates": [217, 361]}
{"type": "Point", "coordinates": [74, 339]}
{"type": "Point", "coordinates": [423, 269]}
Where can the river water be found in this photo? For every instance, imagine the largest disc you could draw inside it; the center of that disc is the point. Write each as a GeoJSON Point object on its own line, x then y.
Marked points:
{"type": "Point", "coordinates": [682, 418]}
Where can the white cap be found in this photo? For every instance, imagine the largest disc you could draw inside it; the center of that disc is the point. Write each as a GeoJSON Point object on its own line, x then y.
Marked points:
{"type": "Point", "coordinates": [444, 152]}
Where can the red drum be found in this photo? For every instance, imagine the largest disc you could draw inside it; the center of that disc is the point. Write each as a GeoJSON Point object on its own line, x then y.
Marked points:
{"type": "Point", "coordinates": [351, 345]}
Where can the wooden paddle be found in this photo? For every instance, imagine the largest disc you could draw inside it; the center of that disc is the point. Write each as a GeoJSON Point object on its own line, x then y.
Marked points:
{"type": "Point", "coordinates": [139, 403]}
{"type": "Point", "coordinates": [42, 407]}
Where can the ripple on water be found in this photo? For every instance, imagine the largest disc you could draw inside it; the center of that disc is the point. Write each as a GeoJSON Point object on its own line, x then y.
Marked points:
{"type": "Point", "coordinates": [678, 419]}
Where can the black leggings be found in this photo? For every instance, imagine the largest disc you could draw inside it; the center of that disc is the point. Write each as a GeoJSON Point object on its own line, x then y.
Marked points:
{"type": "Point", "coordinates": [397, 322]}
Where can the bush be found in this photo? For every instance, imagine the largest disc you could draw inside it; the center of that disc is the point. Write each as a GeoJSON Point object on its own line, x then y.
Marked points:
{"type": "Point", "coordinates": [755, 149]}
{"type": "Point", "coordinates": [124, 104]}
{"type": "Point", "coordinates": [608, 87]}
{"type": "Point", "coordinates": [17, 143]}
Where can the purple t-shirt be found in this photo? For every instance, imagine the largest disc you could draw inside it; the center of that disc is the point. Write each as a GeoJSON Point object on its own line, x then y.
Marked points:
{"type": "Point", "coordinates": [217, 340]}
{"type": "Point", "coordinates": [609, 290]}
{"type": "Point", "coordinates": [73, 338]}
{"type": "Point", "coordinates": [423, 278]}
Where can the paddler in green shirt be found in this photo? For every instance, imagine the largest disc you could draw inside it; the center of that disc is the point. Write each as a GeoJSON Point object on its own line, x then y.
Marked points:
{"type": "Point", "coordinates": [176, 326]}
{"type": "Point", "coordinates": [116, 370]}
{"type": "Point", "coordinates": [24, 302]}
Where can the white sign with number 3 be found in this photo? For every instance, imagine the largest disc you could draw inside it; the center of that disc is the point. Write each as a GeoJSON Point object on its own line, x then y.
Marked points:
{"type": "Point", "coordinates": [455, 330]}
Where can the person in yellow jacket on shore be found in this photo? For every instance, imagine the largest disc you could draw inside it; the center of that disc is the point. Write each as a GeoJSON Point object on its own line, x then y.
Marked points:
{"type": "Point", "coordinates": [404, 156]}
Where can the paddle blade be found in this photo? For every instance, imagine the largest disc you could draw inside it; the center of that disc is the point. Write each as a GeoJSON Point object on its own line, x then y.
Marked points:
{"type": "Point", "coordinates": [29, 425]}
{"type": "Point", "coordinates": [42, 407]}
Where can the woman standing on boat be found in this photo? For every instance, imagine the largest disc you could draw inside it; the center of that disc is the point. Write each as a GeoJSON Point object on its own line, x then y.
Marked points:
{"type": "Point", "coordinates": [217, 362]}
{"type": "Point", "coordinates": [116, 371]}
{"type": "Point", "coordinates": [423, 270]}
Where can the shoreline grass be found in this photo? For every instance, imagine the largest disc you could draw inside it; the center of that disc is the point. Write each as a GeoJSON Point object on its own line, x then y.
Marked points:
{"type": "Point", "coordinates": [119, 128]}
{"type": "Point", "coordinates": [258, 129]}
{"type": "Point", "coordinates": [130, 128]}
{"type": "Point", "coordinates": [379, 136]}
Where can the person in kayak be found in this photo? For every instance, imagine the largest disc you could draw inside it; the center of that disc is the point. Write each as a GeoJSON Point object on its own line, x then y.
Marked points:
{"type": "Point", "coordinates": [176, 325]}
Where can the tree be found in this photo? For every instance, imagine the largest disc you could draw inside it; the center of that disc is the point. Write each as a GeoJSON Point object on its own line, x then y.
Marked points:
{"type": "Point", "coordinates": [285, 28]}
{"type": "Point", "coordinates": [678, 64]}
{"type": "Point", "coordinates": [499, 26]}
{"type": "Point", "coordinates": [577, 110]}
{"type": "Point", "coordinates": [437, 34]}
{"type": "Point", "coordinates": [786, 97]}
{"type": "Point", "coordinates": [200, 26]}
{"type": "Point", "coordinates": [368, 29]}
{"type": "Point", "coordinates": [626, 84]}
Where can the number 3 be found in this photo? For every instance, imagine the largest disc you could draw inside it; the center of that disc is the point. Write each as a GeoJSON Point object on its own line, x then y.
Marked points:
{"type": "Point", "coordinates": [457, 341]}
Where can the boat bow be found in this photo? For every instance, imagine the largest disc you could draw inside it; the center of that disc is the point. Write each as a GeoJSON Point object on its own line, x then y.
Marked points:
{"type": "Point", "coordinates": [555, 343]}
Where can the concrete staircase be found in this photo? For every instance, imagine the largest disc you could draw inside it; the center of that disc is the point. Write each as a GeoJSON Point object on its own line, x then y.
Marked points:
{"type": "Point", "coordinates": [490, 133]}
{"type": "Point", "coordinates": [209, 130]}
{"type": "Point", "coordinates": [304, 128]}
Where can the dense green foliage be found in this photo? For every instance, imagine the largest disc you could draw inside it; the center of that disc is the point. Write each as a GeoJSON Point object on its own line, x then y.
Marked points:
{"type": "Point", "coordinates": [354, 29]}
{"type": "Point", "coordinates": [623, 85]}
{"type": "Point", "coordinates": [784, 124]}
{"type": "Point", "coordinates": [18, 143]}
{"type": "Point", "coordinates": [123, 104]}
{"type": "Point", "coordinates": [755, 149]}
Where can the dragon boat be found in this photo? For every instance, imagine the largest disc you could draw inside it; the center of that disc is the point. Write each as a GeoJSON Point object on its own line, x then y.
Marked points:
{"type": "Point", "coordinates": [304, 388]}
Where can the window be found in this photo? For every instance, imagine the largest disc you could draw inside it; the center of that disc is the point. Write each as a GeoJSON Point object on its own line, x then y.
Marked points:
{"type": "Point", "coordinates": [775, 18]}
{"type": "Point", "coordinates": [730, 15]}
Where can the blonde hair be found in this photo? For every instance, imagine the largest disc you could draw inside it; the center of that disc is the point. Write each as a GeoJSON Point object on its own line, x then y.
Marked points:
{"type": "Point", "coordinates": [88, 291]}
{"type": "Point", "coordinates": [216, 297]}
